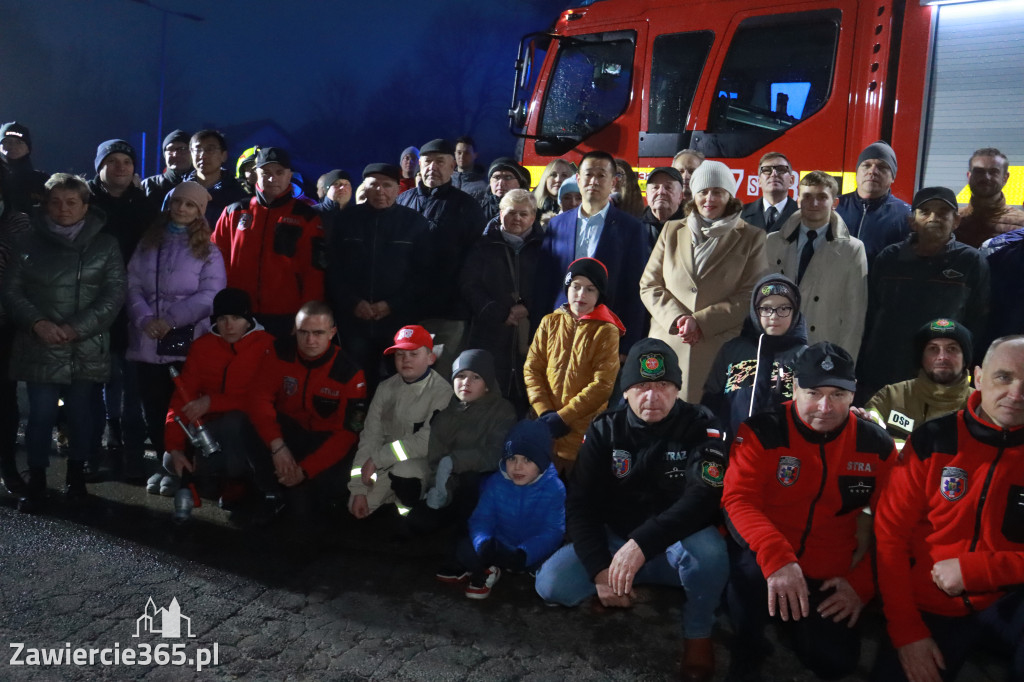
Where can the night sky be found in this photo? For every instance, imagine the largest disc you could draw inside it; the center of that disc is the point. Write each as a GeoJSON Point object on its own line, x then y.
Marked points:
{"type": "Point", "coordinates": [341, 84]}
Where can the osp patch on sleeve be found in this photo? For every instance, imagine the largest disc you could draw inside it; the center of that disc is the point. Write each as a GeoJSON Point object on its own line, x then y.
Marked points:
{"type": "Point", "coordinates": [712, 473]}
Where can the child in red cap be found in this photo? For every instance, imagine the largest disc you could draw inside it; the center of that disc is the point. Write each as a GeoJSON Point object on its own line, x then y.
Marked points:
{"type": "Point", "coordinates": [393, 444]}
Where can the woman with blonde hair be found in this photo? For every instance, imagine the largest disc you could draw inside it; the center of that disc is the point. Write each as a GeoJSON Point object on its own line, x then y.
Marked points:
{"type": "Point", "coordinates": [172, 279]}
{"type": "Point", "coordinates": [546, 191]}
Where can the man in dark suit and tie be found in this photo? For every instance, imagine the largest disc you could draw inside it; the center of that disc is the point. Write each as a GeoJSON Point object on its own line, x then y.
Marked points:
{"type": "Point", "coordinates": [775, 175]}
{"type": "Point", "coordinates": [598, 230]}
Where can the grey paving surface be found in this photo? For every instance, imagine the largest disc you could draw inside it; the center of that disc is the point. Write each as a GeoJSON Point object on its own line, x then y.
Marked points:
{"type": "Point", "coordinates": [349, 602]}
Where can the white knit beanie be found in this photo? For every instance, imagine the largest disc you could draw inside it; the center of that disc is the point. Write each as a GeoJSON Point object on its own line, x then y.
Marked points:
{"type": "Point", "coordinates": [713, 174]}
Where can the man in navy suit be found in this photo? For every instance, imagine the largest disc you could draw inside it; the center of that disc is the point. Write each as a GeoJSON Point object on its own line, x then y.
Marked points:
{"type": "Point", "coordinates": [598, 230]}
{"type": "Point", "coordinates": [775, 175]}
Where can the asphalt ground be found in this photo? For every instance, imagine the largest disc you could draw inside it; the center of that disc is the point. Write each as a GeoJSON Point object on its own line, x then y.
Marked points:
{"type": "Point", "coordinates": [338, 600]}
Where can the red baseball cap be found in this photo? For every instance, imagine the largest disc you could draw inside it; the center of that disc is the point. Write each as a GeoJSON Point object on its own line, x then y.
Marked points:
{"type": "Point", "coordinates": [411, 337]}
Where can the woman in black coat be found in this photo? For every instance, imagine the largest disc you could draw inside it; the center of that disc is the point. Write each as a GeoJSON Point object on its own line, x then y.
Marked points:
{"type": "Point", "coordinates": [497, 281]}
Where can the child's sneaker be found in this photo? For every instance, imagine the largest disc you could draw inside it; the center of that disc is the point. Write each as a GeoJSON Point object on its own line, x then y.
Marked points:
{"type": "Point", "coordinates": [480, 587]}
{"type": "Point", "coordinates": [153, 484]}
{"type": "Point", "coordinates": [169, 485]}
{"type": "Point", "coordinates": [452, 573]}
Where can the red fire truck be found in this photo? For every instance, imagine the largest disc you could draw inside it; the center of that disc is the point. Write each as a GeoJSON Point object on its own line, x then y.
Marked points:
{"type": "Point", "coordinates": [817, 81]}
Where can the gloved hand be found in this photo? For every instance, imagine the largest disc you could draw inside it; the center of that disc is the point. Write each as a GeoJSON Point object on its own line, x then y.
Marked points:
{"type": "Point", "coordinates": [437, 497]}
{"type": "Point", "coordinates": [512, 559]}
{"type": "Point", "coordinates": [486, 551]}
{"type": "Point", "coordinates": [555, 424]}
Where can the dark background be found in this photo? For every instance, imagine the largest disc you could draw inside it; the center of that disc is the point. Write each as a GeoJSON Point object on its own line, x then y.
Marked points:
{"type": "Point", "coordinates": [339, 84]}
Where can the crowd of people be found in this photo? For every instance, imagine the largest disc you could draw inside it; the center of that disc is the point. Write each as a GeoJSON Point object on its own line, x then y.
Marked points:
{"type": "Point", "coordinates": [799, 402]}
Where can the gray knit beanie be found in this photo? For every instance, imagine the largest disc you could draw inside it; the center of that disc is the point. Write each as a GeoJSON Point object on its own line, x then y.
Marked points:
{"type": "Point", "coordinates": [713, 174]}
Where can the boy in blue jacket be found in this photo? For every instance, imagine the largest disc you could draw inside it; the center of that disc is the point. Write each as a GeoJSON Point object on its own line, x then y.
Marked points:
{"type": "Point", "coordinates": [520, 519]}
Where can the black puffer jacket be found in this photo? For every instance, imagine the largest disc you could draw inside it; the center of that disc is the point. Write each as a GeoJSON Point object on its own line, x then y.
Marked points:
{"type": "Point", "coordinates": [754, 372]}
{"type": "Point", "coordinates": [80, 283]}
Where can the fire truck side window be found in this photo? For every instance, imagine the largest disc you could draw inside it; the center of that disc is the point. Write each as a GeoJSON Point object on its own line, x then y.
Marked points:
{"type": "Point", "coordinates": [676, 66]}
{"type": "Point", "coordinates": [777, 73]}
{"type": "Point", "coordinates": [590, 85]}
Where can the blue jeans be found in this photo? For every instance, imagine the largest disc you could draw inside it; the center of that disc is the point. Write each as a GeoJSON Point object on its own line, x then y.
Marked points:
{"type": "Point", "coordinates": [42, 417]}
{"type": "Point", "coordinates": [698, 563]}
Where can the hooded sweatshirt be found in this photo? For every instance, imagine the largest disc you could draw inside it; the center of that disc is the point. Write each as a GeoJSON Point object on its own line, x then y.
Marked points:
{"type": "Point", "coordinates": [753, 373]}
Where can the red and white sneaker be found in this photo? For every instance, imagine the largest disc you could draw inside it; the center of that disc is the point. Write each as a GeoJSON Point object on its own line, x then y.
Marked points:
{"type": "Point", "coordinates": [480, 588]}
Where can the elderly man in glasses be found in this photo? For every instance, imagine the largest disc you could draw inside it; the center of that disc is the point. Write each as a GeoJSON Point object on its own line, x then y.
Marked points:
{"type": "Point", "coordinates": [813, 247]}
{"type": "Point", "coordinates": [775, 175]}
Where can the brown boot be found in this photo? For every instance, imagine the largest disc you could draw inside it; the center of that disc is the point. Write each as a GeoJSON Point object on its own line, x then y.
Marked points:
{"type": "Point", "coordinates": [698, 662]}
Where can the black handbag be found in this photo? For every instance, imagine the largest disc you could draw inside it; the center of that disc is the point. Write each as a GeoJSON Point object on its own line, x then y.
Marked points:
{"type": "Point", "coordinates": [176, 342]}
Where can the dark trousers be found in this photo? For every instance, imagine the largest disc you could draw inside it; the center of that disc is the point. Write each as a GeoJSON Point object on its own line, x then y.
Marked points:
{"type": "Point", "coordinates": [237, 439]}
{"type": "Point", "coordinates": [423, 519]}
{"type": "Point", "coordinates": [957, 637]}
{"type": "Point", "coordinates": [365, 343]}
{"type": "Point", "coordinates": [120, 401]}
{"type": "Point", "coordinates": [42, 417]}
{"type": "Point", "coordinates": [302, 499]}
{"type": "Point", "coordinates": [9, 414]}
{"type": "Point", "coordinates": [155, 389]}
{"type": "Point", "coordinates": [830, 650]}
{"type": "Point", "coordinates": [492, 553]}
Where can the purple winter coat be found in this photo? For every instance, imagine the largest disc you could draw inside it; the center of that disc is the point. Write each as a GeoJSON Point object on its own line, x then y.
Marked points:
{"type": "Point", "coordinates": [187, 286]}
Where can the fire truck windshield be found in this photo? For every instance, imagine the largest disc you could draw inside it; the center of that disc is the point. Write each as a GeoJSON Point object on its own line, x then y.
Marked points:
{"type": "Point", "coordinates": [590, 85]}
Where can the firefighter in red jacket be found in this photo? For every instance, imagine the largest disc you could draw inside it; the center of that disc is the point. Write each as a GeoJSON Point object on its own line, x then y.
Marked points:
{"type": "Point", "coordinates": [307, 406]}
{"type": "Point", "coordinates": [798, 479]}
{"type": "Point", "coordinates": [273, 245]}
{"type": "Point", "coordinates": [950, 531]}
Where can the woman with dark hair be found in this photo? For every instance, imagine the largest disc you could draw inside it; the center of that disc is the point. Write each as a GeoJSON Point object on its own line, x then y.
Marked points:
{"type": "Point", "coordinates": [62, 294]}
{"type": "Point", "coordinates": [698, 280]}
{"type": "Point", "coordinates": [172, 279]}
{"type": "Point", "coordinates": [628, 196]}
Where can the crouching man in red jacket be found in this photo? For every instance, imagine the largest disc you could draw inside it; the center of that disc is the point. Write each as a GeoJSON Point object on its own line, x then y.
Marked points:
{"type": "Point", "coordinates": [950, 531]}
{"type": "Point", "coordinates": [797, 481]}
{"type": "Point", "coordinates": [308, 406]}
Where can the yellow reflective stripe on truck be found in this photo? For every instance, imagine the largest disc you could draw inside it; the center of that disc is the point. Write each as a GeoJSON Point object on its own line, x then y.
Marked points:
{"type": "Point", "coordinates": [1014, 190]}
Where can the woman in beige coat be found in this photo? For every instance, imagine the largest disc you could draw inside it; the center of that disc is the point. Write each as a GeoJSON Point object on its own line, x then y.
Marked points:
{"type": "Point", "coordinates": [698, 280]}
